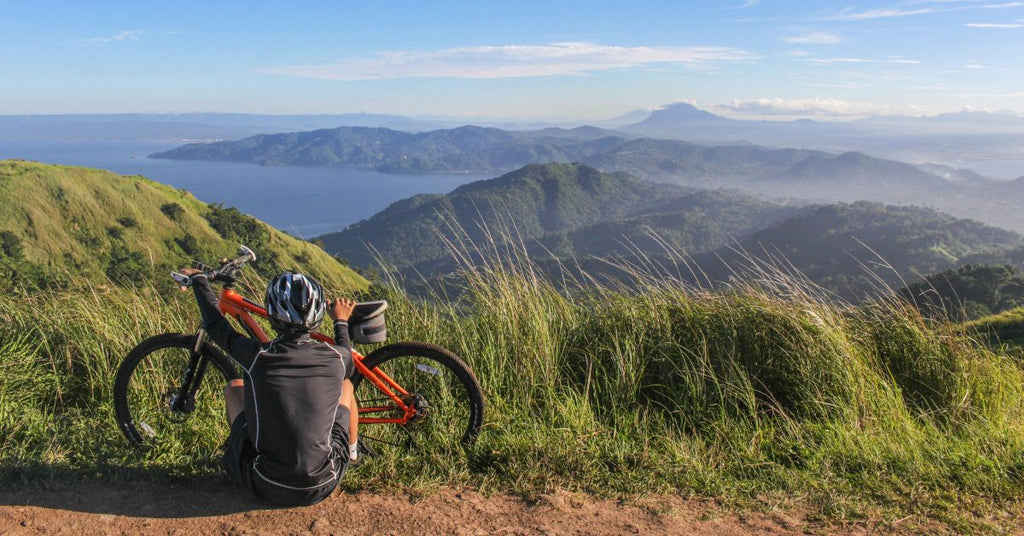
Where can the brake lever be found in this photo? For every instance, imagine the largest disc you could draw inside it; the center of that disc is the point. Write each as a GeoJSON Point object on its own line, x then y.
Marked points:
{"type": "Point", "coordinates": [182, 279]}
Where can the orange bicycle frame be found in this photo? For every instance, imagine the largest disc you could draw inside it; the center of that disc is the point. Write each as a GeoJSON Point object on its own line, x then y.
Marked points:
{"type": "Point", "coordinates": [236, 306]}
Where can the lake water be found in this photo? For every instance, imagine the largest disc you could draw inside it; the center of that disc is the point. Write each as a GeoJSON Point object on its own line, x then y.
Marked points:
{"type": "Point", "coordinates": [303, 201]}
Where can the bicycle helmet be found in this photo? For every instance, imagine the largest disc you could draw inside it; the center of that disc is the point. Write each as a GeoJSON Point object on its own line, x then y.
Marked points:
{"type": "Point", "coordinates": [295, 302]}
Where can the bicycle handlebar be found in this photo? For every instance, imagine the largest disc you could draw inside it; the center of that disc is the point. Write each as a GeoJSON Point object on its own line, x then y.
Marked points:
{"type": "Point", "coordinates": [223, 273]}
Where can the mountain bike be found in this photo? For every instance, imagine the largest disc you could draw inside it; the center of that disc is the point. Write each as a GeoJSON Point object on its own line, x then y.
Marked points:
{"type": "Point", "coordinates": [169, 389]}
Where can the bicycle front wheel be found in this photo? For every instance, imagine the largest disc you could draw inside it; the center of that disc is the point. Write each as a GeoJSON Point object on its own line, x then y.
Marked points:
{"type": "Point", "coordinates": [167, 397]}
{"type": "Point", "coordinates": [439, 385]}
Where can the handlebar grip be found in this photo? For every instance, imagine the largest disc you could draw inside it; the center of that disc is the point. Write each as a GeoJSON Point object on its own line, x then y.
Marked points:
{"type": "Point", "coordinates": [227, 276]}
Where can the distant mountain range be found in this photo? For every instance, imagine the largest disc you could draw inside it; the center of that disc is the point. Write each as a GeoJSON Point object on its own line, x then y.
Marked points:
{"type": "Point", "coordinates": [686, 121]}
{"type": "Point", "coordinates": [945, 138]}
{"type": "Point", "coordinates": [801, 173]}
{"type": "Point", "coordinates": [462, 149]}
{"type": "Point", "coordinates": [573, 215]}
{"type": "Point", "coordinates": [477, 150]}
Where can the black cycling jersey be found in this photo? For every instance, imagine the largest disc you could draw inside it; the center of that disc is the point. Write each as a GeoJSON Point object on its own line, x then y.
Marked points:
{"type": "Point", "coordinates": [292, 389]}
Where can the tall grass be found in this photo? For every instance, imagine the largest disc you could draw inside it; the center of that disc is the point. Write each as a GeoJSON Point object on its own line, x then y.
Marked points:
{"type": "Point", "coordinates": [766, 389]}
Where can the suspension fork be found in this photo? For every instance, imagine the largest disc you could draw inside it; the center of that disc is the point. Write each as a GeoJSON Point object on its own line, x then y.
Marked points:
{"type": "Point", "coordinates": [192, 377]}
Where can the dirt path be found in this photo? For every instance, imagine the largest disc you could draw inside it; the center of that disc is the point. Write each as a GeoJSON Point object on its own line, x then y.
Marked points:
{"type": "Point", "coordinates": [214, 508]}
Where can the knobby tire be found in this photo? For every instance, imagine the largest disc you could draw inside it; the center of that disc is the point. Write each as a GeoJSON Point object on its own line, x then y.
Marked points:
{"type": "Point", "coordinates": [149, 390]}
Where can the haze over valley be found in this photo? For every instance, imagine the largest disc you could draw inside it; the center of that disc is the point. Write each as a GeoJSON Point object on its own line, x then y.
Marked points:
{"type": "Point", "coordinates": [773, 171]}
{"type": "Point", "coordinates": [735, 189]}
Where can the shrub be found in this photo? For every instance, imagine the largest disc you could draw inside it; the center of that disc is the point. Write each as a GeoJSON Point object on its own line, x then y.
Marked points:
{"type": "Point", "coordinates": [127, 266]}
{"type": "Point", "coordinates": [10, 245]}
{"type": "Point", "coordinates": [172, 210]}
{"type": "Point", "coordinates": [233, 225]}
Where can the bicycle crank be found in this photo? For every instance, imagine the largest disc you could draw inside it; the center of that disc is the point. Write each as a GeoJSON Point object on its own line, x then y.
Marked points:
{"type": "Point", "coordinates": [422, 407]}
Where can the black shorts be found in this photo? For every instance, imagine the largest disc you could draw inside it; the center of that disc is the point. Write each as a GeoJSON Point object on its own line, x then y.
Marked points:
{"type": "Point", "coordinates": [239, 455]}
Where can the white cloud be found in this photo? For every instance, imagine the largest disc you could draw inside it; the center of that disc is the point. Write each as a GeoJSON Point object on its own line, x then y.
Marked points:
{"type": "Point", "coordinates": [973, 65]}
{"type": "Point", "coordinates": [889, 60]}
{"type": "Point", "coordinates": [880, 13]}
{"type": "Point", "coordinates": [510, 61]}
{"type": "Point", "coordinates": [1018, 24]}
{"type": "Point", "coordinates": [124, 35]}
{"type": "Point", "coordinates": [938, 6]}
{"type": "Point", "coordinates": [810, 107]}
{"type": "Point", "coordinates": [814, 38]}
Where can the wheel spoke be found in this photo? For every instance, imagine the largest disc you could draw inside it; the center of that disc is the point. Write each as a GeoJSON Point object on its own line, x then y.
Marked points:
{"type": "Point", "coordinates": [445, 398]}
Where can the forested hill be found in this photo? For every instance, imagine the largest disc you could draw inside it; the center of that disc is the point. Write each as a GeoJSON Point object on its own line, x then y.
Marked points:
{"type": "Point", "coordinates": [60, 224]}
{"type": "Point", "coordinates": [529, 202]}
{"type": "Point", "coordinates": [969, 292]}
{"type": "Point", "coordinates": [463, 149]}
{"type": "Point", "coordinates": [867, 248]}
{"type": "Point", "coordinates": [564, 209]}
{"type": "Point", "coordinates": [574, 213]}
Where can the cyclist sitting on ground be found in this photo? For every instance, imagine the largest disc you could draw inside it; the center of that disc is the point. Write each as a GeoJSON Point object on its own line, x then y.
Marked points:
{"type": "Point", "coordinates": [293, 418]}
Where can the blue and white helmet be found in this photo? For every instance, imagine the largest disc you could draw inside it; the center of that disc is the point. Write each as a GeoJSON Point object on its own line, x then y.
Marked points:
{"type": "Point", "coordinates": [295, 302]}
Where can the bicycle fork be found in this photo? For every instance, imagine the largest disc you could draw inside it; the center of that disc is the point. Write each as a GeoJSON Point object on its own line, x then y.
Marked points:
{"type": "Point", "coordinates": [184, 401]}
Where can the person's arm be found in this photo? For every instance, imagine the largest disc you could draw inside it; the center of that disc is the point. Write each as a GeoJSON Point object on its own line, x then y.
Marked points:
{"type": "Point", "coordinates": [242, 349]}
{"type": "Point", "coordinates": [340, 310]}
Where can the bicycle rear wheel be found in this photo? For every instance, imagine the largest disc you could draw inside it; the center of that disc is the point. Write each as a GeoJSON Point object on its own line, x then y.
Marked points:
{"type": "Point", "coordinates": [165, 397]}
{"type": "Point", "coordinates": [443, 389]}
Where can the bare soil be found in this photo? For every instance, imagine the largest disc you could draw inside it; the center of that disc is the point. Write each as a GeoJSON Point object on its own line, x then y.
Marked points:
{"type": "Point", "coordinates": [213, 507]}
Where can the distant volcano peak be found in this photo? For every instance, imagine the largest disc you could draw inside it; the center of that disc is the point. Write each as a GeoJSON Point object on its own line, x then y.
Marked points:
{"type": "Point", "coordinates": [679, 114]}
{"type": "Point", "coordinates": [683, 110]}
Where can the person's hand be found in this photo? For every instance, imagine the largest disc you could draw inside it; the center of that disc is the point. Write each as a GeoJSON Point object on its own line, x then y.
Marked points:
{"type": "Point", "coordinates": [340, 309]}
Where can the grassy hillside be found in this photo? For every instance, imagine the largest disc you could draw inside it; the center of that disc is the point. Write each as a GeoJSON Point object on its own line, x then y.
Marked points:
{"type": "Point", "coordinates": [760, 395]}
{"type": "Point", "coordinates": [62, 224]}
{"type": "Point", "coordinates": [1006, 327]}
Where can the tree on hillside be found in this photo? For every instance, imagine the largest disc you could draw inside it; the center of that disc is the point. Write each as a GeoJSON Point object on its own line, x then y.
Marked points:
{"type": "Point", "coordinates": [969, 292]}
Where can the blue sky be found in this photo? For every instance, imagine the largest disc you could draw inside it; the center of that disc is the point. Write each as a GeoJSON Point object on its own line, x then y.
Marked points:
{"type": "Point", "coordinates": [558, 60]}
